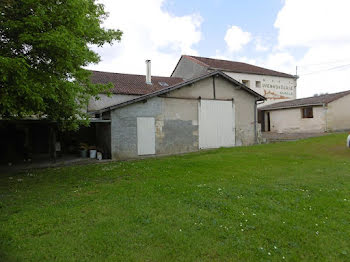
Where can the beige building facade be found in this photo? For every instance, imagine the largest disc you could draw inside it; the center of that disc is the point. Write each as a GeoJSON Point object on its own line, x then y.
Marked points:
{"type": "Point", "coordinates": [324, 113]}
{"type": "Point", "coordinates": [274, 88]}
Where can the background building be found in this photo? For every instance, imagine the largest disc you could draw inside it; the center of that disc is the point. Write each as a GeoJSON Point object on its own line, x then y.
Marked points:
{"type": "Point", "coordinates": [273, 85]}
{"type": "Point", "coordinates": [324, 113]}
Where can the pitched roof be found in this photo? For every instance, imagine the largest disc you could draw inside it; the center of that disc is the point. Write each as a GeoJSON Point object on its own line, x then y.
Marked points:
{"type": "Point", "coordinates": [309, 101]}
{"type": "Point", "coordinates": [128, 84]}
{"type": "Point", "coordinates": [233, 66]}
{"type": "Point", "coordinates": [177, 86]}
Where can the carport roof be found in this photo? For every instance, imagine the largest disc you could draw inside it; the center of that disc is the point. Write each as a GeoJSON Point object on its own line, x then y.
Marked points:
{"type": "Point", "coordinates": [309, 101]}
{"type": "Point", "coordinates": [182, 84]}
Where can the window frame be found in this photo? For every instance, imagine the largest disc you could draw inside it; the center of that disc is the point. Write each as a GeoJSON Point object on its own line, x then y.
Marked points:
{"type": "Point", "coordinates": [258, 84]}
{"type": "Point", "coordinates": [247, 83]}
{"type": "Point", "coordinates": [307, 112]}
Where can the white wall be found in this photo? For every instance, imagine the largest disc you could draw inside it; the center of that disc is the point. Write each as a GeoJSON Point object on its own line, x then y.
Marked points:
{"type": "Point", "coordinates": [275, 89]}
{"type": "Point", "coordinates": [291, 121]}
{"type": "Point", "coordinates": [338, 114]}
{"type": "Point", "coordinates": [106, 101]}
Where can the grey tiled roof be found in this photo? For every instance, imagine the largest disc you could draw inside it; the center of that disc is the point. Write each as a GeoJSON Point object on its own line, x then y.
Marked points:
{"type": "Point", "coordinates": [314, 100]}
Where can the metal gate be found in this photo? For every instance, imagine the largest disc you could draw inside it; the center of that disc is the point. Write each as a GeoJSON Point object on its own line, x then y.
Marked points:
{"type": "Point", "coordinates": [216, 124]}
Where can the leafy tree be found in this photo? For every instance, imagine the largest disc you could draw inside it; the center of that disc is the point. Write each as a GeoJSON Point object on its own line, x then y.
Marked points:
{"type": "Point", "coordinates": [44, 45]}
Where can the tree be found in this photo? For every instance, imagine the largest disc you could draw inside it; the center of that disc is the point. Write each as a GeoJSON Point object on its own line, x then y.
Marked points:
{"type": "Point", "coordinates": [44, 45]}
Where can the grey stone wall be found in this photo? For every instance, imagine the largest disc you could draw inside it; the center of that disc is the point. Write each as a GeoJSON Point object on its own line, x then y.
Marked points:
{"type": "Point", "coordinates": [224, 89]}
{"type": "Point", "coordinates": [175, 133]}
{"type": "Point", "coordinates": [188, 69]}
{"type": "Point", "coordinates": [177, 136]}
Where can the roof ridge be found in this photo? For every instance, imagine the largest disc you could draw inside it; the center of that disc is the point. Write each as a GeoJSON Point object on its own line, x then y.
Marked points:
{"type": "Point", "coordinates": [193, 56]}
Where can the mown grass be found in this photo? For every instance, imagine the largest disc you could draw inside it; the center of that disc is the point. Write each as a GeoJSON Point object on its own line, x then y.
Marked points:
{"type": "Point", "coordinates": [287, 201]}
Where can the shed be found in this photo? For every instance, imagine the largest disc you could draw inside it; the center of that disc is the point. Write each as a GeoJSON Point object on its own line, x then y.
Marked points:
{"type": "Point", "coordinates": [322, 113]}
{"type": "Point", "coordinates": [209, 111]}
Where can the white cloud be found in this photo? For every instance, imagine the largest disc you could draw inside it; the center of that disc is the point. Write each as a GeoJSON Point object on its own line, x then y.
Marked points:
{"type": "Point", "coordinates": [149, 33]}
{"type": "Point", "coordinates": [321, 26]}
{"type": "Point", "coordinates": [324, 69]}
{"type": "Point", "coordinates": [313, 22]}
{"type": "Point", "coordinates": [236, 38]}
{"type": "Point", "coordinates": [281, 61]}
{"type": "Point", "coordinates": [260, 46]}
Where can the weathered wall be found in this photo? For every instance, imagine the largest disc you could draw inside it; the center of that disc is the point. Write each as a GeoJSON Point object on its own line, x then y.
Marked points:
{"type": "Point", "coordinates": [106, 101]}
{"type": "Point", "coordinates": [203, 89]}
{"type": "Point", "coordinates": [291, 121]}
{"type": "Point", "coordinates": [176, 127]}
{"type": "Point", "coordinates": [244, 108]}
{"type": "Point", "coordinates": [274, 88]}
{"type": "Point", "coordinates": [244, 104]}
{"type": "Point", "coordinates": [188, 69]}
{"type": "Point", "coordinates": [338, 114]}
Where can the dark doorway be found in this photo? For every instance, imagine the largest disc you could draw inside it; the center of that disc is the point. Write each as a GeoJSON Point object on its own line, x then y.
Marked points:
{"type": "Point", "coordinates": [24, 142]}
{"type": "Point", "coordinates": [261, 120]}
{"type": "Point", "coordinates": [268, 122]}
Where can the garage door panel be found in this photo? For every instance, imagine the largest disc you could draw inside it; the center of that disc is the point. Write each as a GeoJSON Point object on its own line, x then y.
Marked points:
{"type": "Point", "coordinates": [216, 124]}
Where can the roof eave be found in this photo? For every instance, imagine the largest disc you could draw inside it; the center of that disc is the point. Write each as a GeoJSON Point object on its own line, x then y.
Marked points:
{"type": "Point", "coordinates": [288, 107]}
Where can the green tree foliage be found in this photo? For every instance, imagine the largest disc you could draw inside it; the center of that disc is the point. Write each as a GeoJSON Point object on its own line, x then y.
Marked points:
{"type": "Point", "coordinates": [44, 45]}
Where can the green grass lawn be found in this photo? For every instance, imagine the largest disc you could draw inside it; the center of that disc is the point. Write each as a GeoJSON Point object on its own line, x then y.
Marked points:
{"type": "Point", "coordinates": [286, 201]}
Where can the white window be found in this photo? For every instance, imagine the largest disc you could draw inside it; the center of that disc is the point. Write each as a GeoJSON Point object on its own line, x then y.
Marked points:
{"type": "Point", "coordinates": [307, 112]}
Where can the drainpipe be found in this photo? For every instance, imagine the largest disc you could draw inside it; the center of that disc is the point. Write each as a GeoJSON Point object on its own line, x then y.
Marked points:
{"type": "Point", "coordinates": [325, 116]}
{"type": "Point", "coordinates": [255, 131]}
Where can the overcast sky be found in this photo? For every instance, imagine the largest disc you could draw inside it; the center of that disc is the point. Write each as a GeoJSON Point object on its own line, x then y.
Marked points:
{"type": "Point", "coordinates": [278, 34]}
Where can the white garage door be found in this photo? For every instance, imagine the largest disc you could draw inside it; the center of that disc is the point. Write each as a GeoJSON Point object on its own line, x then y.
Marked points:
{"type": "Point", "coordinates": [146, 136]}
{"type": "Point", "coordinates": [216, 124]}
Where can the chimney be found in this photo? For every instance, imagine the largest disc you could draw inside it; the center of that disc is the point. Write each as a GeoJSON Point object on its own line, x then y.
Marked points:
{"type": "Point", "coordinates": [148, 72]}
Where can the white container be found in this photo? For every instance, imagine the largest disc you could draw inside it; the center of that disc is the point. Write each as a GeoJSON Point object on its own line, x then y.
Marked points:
{"type": "Point", "coordinates": [93, 153]}
{"type": "Point", "coordinates": [348, 141]}
{"type": "Point", "coordinates": [99, 156]}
